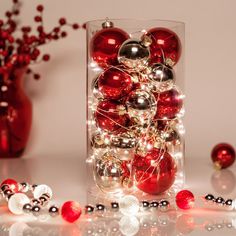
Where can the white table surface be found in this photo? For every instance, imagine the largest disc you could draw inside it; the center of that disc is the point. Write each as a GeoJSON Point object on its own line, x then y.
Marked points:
{"type": "Point", "coordinates": [68, 179]}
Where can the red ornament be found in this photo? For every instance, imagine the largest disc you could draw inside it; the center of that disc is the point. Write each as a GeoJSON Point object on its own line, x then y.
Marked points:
{"type": "Point", "coordinates": [114, 83]}
{"type": "Point", "coordinates": [110, 117]}
{"type": "Point", "coordinates": [105, 45]}
{"type": "Point", "coordinates": [165, 45]}
{"type": "Point", "coordinates": [223, 155]}
{"type": "Point", "coordinates": [155, 172]}
{"type": "Point", "coordinates": [71, 211]}
{"type": "Point", "coordinates": [169, 104]}
{"type": "Point", "coordinates": [185, 200]}
{"type": "Point", "coordinates": [13, 185]}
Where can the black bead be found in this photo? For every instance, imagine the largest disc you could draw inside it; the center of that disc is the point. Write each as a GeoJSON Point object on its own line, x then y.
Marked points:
{"type": "Point", "coordinates": [154, 204]}
{"type": "Point", "coordinates": [229, 202]}
{"type": "Point", "coordinates": [100, 207]}
{"type": "Point", "coordinates": [89, 209]}
{"type": "Point", "coordinates": [115, 205]}
{"type": "Point", "coordinates": [220, 200]}
{"type": "Point", "coordinates": [145, 204]}
{"type": "Point", "coordinates": [209, 197]}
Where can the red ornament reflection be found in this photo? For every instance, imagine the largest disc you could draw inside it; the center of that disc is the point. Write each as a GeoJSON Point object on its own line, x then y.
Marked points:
{"type": "Point", "coordinates": [114, 83]}
{"type": "Point", "coordinates": [165, 45]}
{"type": "Point", "coordinates": [15, 114]}
{"type": "Point", "coordinates": [105, 45]}
{"type": "Point", "coordinates": [185, 199]}
{"type": "Point", "coordinates": [71, 211]}
{"type": "Point", "coordinates": [109, 117]}
{"type": "Point", "coordinates": [155, 172]}
{"type": "Point", "coordinates": [223, 155]}
{"type": "Point", "coordinates": [169, 104]}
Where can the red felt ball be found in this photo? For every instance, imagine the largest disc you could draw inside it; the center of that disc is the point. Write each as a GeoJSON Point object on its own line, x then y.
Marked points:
{"type": "Point", "coordinates": [155, 172]}
{"type": "Point", "coordinates": [185, 200]}
{"type": "Point", "coordinates": [13, 185]}
{"type": "Point", "coordinates": [114, 83]}
{"type": "Point", "coordinates": [223, 155]}
{"type": "Point", "coordinates": [165, 45]}
{"type": "Point", "coordinates": [169, 104]}
{"type": "Point", "coordinates": [105, 45]}
{"type": "Point", "coordinates": [71, 211]}
{"type": "Point", "coordinates": [109, 117]}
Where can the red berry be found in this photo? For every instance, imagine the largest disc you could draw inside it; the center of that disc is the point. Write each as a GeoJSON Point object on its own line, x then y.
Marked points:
{"type": "Point", "coordinates": [1, 22]}
{"type": "Point", "coordinates": [62, 21]}
{"type": "Point", "coordinates": [71, 211]}
{"type": "Point", "coordinates": [8, 14]}
{"type": "Point", "coordinates": [40, 8]}
{"type": "Point", "coordinates": [15, 1]}
{"type": "Point", "coordinates": [55, 37]}
{"type": "Point", "coordinates": [38, 18]}
{"type": "Point", "coordinates": [46, 57]}
{"type": "Point", "coordinates": [36, 76]}
{"type": "Point", "coordinates": [75, 26]}
{"type": "Point", "coordinates": [16, 12]}
{"type": "Point", "coordinates": [56, 29]}
{"type": "Point", "coordinates": [28, 71]}
{"type": "Point", "coordinates": [63, 34]}
{"type": "Point", "coordinates": [84, 26]}
{"type": "Point", "coordinates": [40, 28]}
{"type": "Point", "coordinates": [13, 185]}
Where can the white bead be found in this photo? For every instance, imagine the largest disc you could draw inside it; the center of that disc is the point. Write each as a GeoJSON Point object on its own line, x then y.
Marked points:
{"type": "Point", "coordinates": [129, 225]}
{"type": "Point", "coordinates": [41, 189]}
{"type": "Point", "coordinates": [16, 203]}
{"type": "Point", "coordinates": [129, 205]}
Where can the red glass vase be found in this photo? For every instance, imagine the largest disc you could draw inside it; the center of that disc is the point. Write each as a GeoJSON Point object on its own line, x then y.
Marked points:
{"type": "Point", "coordinates": [15, 114]}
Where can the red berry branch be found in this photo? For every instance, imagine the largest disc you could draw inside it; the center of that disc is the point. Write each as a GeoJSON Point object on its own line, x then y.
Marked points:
{"type": "Point", "coordinates": [19, 46]}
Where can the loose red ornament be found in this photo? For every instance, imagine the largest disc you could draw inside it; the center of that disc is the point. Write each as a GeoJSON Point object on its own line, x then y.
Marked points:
{"type": "Point", "coordinates": [185, 200]}
{"type": "Point", "coordinates": [155, 172]}
{"type": "Point", "coordinates": [223, 155]}
{"type": "Point", "coordinates": [105, 45]}
{"type": "Point", "coordinates": [13, 185]}
{"type": "Point", "coordinates": [169, 104]}
{"type": "Point", "coordinates": [110, 116]}
{"type": "Point", "coordinates": [71, 211]}
{"type": "Point", "coordinates": [114, 83]}
{"type": "Point", "coordinates": [165, 47]}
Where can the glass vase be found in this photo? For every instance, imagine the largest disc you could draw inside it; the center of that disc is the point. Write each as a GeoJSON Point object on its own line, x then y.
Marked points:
{"type": "Point", "coordinates": [15, 114]}
{"type": "Point", "coordinates": [135, 107]}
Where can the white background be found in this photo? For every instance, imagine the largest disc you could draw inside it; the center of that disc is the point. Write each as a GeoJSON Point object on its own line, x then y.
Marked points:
{"type": "Point", "coordinates": [59, 125]}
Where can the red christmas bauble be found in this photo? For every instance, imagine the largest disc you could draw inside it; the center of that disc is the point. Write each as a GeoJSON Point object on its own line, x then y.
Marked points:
{"type": "Point", "coordinates": [223, 155]}
{"type": "Point", "coordinates": [114, 83]}
{"type": "Point", "coordinates": [155, 172]}
{"type": "Point", "coordinates": [165, 46]}
{"type": "Point", "coordinates": [105, 45]}
{"type": "Point", "coordinates": [110, 116]}
{"type": "Point", "coordinates": [71, 211]}
{"type": "Point", "coordinates": [13, 185]}
{"type": "Point", "coordinates": [185, 200]}
{"type": "Point", "coordinates": [169, 104]}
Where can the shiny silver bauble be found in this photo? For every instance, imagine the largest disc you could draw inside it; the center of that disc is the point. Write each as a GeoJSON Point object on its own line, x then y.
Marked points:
{"type": "Point", "coordinates": [141, 106]}
{"type": "Point", "coordinates": [161, 77]}
{"type": "Point", "coordinates": [133, 54]}
{"type": "Point", "coordinates": [94, 87]}
{"type": "Point", "coordinates": [100, 140]}
{"type": "Point", "coordinates": [108, 173]}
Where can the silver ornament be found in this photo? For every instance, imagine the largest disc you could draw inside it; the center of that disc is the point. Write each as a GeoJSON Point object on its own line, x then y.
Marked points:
{"type": "Point", "coordinates": [107, 24]}
{"type": "Point", "coordinates": [100, 140]}
{"type": "Point", "coordinates": [108, 172]}
{"type": "Point", "coordinates": [162, 77]}
{"type": "Point", "coordinates": [133, 54]}
{"type": "Point", "coordinates": [141, 106]}
{"type": "Point", "coordinates": [123, 141]}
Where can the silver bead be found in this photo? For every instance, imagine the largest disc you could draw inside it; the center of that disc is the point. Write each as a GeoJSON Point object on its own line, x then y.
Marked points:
{"type": "Point", "coordinates": [35, 201]}
{"type": "Point", "coordinates": [161, 77]}
{"type": "Point", "coordinates": [164, 205]}
{"type": "Point", "coordinates": [133, 54]}
{"type": "Point", "coordinates": [43, 201]}
{"type": "Point", "coordinates": [36, 210]}
{"type": "Point", "coordinates": [24, 187]}
{"type": "Point", "coordinates": [5, 187]}
{"type": "Point", "coordinates": [100, 207]}
{"type": "Point", "coordinates": [141, 106]}
{"type": "Point", "coordinates": [89, 209]}
{"type": "Point", "coordinates": [27, 208]}
{"type": "Point", "coordinates": [53, 211]}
